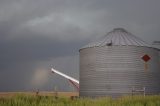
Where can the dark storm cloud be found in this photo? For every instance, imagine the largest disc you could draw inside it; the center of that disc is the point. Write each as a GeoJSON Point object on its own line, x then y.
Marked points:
{"type": "Point", "coordinates": [37, 33]}
{"type": "Point", "coordinates": [35, 48]}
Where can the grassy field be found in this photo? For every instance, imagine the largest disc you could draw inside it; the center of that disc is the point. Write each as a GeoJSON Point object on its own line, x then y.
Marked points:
{"type": "Point", "coordinates": [32, 100]}
{"type": "Point", "coordinates": [41, 93]}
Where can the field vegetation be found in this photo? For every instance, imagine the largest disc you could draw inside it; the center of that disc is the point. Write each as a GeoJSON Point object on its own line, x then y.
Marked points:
{"type": "Point", "coordinates": [32, 100]}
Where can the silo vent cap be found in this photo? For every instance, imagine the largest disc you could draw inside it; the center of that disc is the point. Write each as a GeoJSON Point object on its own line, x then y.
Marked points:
{"type": "Point", "coordinates": [119, 29]}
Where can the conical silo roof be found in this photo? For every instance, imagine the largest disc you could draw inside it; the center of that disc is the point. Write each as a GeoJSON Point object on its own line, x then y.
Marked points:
{"type": "Point", "coordinates": [118, 37]}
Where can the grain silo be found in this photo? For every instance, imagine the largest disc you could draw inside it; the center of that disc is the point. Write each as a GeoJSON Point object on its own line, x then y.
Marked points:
{"type": "Point", "coordinates": [117, 65]}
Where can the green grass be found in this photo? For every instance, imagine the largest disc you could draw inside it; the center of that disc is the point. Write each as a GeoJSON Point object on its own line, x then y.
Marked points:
{"type": "Point", "coordinates": [26, 100]}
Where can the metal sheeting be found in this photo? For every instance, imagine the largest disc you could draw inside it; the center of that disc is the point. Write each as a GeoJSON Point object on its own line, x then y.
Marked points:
{"type": "Point", "coordinates": [118, 36]}
{"type": "Point", "coordinates": [114, 70]}
{"type": "Point", "coordinates": [159, 56]}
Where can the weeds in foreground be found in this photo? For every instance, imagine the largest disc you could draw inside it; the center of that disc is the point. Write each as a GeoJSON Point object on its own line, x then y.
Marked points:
{"type": "Point", "coordinates": [27, 100]}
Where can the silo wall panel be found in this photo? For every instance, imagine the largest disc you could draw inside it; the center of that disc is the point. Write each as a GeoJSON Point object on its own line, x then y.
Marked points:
{"type": "Point", "coordinates": [115, 70]}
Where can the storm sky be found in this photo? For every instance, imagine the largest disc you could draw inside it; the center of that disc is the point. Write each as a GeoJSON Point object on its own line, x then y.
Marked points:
{"type": "Point", "coordinates": [35, 34]}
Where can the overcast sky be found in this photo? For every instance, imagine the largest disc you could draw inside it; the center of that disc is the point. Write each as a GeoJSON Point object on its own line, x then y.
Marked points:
{"type": "Point", "coordinates": [35, 34]}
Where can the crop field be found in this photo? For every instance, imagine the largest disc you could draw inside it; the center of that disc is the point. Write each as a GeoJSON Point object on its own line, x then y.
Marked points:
{"type": "Point", "coordinates": [33, 100]}
{"type": "Point", "coordinates": [40, 93]}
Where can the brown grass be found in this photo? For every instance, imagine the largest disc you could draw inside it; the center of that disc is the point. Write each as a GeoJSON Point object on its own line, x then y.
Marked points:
{"type": "Point", "coordinates": [41, 93]}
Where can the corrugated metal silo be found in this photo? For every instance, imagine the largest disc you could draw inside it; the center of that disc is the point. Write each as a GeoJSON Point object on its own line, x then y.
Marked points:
{"type": "Point", "coordinates": [118, 63]}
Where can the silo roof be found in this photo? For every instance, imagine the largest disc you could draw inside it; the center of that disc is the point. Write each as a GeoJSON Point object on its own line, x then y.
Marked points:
{"type": "Point", "coordinates": [119, 37]}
